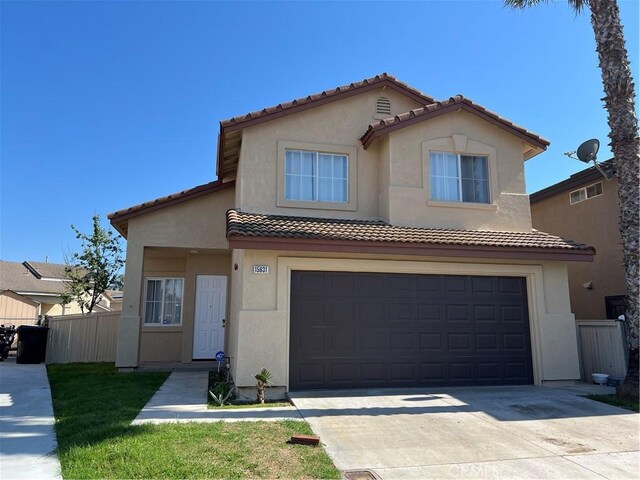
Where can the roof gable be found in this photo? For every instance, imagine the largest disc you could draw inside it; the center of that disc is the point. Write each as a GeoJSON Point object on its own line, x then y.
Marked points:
{"type": "Point", "coordinates": [453, 104]}
{"type": "Point", "coordinates": [229, 138]}
{"type": "Point", "coordinates": [120, 219]}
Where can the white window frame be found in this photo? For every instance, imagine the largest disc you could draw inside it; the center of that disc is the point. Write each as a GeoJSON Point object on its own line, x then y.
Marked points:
{"type": "Point", "coordinates": [316, 177]}
{"type": "Point", "coordinates": [144, 313]}
{"type": "Point", "coordinates": [351, 152]}
{"type": "Point", "coordinates": [459, 178]}
{"type": "Point", "coordinates": [585, 191]}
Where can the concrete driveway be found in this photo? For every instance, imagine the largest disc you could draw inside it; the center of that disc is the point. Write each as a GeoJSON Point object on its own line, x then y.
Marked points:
{"type": "Point", "coordinates": [489, 432]}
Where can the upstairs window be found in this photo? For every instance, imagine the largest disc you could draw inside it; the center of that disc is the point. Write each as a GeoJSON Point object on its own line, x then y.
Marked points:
{"type": "Point", "coordinates": [163, 305]}
{"type": "Point", "coordinates": [316, 176]}
{"type": "Point", "coordinates": [459, 178]}
{"type": "Point", "coordinates": [585, 193]}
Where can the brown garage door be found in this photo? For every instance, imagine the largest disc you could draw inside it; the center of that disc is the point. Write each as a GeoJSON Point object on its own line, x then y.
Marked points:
{"type": "Point", "coordinates": [351, 330]}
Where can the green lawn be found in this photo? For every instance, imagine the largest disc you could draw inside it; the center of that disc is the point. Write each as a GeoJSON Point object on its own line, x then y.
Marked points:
{"type": "Point", "coordinates": [94, 406]}
{"type": "Point", "coordinates": [633, 405]}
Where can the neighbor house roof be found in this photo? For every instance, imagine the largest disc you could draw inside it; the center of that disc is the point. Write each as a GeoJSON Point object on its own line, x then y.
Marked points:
{"type": "Point", "coordinates": [46, 270]}
{"type": "Point", "coordinates": [263, 231]}
{"type": "Point", "coordinates": [20, 277]}
{"type": "Point", "coordinates": [120, 218]}
{"type": "Point", "coordinates": [455, 103]}
{"type": "Point", "coordinates": [114, 294]}
{"type": "Point", "coordinates": [576, 180]}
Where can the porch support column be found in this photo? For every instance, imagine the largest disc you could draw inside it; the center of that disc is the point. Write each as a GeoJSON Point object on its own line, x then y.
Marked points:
{"type": "Point", "coordinates": [127, 351]}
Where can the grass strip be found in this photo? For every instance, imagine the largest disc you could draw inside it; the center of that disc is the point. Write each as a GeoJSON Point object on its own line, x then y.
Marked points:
{"type": "Point", "coordinates": [94, 406]}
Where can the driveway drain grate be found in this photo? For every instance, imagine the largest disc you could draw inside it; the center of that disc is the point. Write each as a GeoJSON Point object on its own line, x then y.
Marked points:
{"type": "Point", "coordinates": [360, 475]}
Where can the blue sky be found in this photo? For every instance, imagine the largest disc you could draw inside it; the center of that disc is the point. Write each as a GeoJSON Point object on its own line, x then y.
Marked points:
{"type": "Point", "coordinates": [107, 104]}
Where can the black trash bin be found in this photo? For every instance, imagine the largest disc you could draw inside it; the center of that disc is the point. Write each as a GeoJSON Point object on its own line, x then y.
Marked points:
{"type": "Point", "coordinates": [32, 344]}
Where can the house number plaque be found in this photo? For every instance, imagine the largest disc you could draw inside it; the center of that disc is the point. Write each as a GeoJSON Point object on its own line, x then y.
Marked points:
{"type": "Point", "coordinates": [261, 269]}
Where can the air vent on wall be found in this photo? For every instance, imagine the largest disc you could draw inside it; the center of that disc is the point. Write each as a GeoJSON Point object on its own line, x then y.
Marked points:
{"type": "Point", "coordinates": [383, 107]}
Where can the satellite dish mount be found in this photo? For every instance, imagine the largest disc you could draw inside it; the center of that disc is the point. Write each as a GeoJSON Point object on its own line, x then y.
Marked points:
{"type": "Point", "coordinates": [587, 152]}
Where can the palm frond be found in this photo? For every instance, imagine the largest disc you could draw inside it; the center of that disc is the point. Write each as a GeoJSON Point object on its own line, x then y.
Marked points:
{"type": "Point", "coordinates": [577, 5]}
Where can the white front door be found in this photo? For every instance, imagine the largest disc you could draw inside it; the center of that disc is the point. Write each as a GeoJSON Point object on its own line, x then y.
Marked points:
{"type": "Point", "coordinates": [211, 307]}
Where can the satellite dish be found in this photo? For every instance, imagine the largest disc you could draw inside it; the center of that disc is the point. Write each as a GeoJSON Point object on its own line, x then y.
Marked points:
{"type": "Point", "coordinates": [588, 150]}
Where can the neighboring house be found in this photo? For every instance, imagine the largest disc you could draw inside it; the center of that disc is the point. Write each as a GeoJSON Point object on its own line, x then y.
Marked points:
{"type": "Point", "coordinates": [366, 236]}
{"type": "Point", "coordinates": [585, 207]}
{"type": "Point", "coordinates": [111, 300]}
{"type": "Point", "coordinates": [29, 289]}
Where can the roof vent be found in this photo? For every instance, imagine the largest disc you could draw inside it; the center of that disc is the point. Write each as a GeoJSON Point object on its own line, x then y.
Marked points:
{"type": "Point", "coordinates": [383, 108]}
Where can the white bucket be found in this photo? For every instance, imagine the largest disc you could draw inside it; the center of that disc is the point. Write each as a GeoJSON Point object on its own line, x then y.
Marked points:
{"type": "Point", "coordinates": [600, 378]}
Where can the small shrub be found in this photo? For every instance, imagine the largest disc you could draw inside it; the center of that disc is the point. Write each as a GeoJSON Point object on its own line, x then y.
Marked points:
{"type": "Point", "coordinates": [263, 379]}
{"type": "Point", "coordinates": [221, 393]}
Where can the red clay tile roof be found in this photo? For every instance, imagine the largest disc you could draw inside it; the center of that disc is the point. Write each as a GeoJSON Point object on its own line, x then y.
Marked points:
{"type": "Point", "coordinates": [119, 218]}
{"type": "Point", "coordinates": [228, 163]}
{"type": "Point", "coordinates": [275, 226]}
{"type": "Point", "coordinates": [384, 79]}
{"type": "Point", "coordinates": [456, 102]}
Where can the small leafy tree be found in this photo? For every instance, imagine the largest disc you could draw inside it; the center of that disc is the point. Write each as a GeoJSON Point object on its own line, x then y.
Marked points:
{"type": "Point", "coordinates": [264, 381]}
{"type": "Point", "coordinates": [94, 269]}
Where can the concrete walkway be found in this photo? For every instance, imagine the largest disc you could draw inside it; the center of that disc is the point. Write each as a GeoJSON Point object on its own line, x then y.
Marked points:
{"type": "Point", "coordinates": [27, 436]}
{"type": "Point", "coordinates": [183, 398]}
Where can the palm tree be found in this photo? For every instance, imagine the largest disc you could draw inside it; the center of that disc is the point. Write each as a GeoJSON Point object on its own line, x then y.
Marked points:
{"type": "Point", "coordinates": [264, 380]}
{"type": "Point", "coordinates": [625, 143]}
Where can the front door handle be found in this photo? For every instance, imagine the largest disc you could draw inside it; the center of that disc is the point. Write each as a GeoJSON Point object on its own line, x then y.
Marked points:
{"type": "Point", "coordinates": [224, 322]}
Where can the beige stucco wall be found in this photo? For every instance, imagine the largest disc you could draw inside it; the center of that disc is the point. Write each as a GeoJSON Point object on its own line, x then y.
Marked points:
{"type": "Point", "coordinates": [594, 222]}
{"type": "Point", "coordinates": [330, 128]}
{"type": "Point", "coordinates": [197, 225]}
{"type": "Point", "coordinates": [391, 177]}
{"type": "Point", "coordinates": [261, 317]}
{"type": "Point", "coordinates": [459, 132]}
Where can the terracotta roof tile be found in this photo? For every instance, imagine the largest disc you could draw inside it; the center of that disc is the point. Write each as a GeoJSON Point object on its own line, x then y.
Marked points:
{"type": "Point", "coordinates": [378, 79]}
{"type": "Point", "coordinates": [118, 217]}
{"type": "Point", "coordinates": [276, 226]}
{"type": "Point", "coordinates": [423, 113]}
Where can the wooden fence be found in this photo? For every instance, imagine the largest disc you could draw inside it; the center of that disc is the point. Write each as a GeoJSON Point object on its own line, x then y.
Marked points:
{"type": "Point", "coordinates": [83, 338]}
{"type": "Point", "coordinates": [601, 345]}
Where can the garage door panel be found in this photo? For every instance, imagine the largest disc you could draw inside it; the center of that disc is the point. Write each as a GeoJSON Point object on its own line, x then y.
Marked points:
{"type": "Point", "coordinates": [429, 312]}
{"type": "Point", "coordinates": [485, 313]}
{"type": "Point", "coordinates": [460, 343]}
{"type": "Point", "coordinates": [487, 342]}
{"type": "Point", "coordinates": [433, 342]}
{"type": "Point", "coordinates": [407, 330]}
{"type": "Point", "coordinates": [456, 285]}
{"type": "Point", "coordinates": [480, 285]}
{"type": "Point", "coordinates": [510, 286]}
{"type": "Point", "coordinates": [342, 373]}
{"type": "Point", "coordinates": [339, 342]}
{"type": "Point", "coordinates": [374, 373]}
{"type": "Point", "coordinates": [429, 284]}
{"type": "Point", "coordinates": [457, 313]}
{"type": "Point", "coordinates": [403, 343]}
{"type": "Point", "coordinates": [401, 313]}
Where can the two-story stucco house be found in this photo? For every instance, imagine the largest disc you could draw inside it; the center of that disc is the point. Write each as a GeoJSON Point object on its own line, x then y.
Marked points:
{"type": "Point", "coordinates": [366, 236]}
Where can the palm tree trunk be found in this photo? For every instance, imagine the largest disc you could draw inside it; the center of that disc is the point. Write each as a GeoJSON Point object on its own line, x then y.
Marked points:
{"type": "Point", "coordinates": [625, 144]}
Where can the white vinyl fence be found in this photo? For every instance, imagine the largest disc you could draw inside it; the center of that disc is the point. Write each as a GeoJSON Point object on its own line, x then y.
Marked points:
{"type": "Point", "coordinates": [83, 338]}
{"type": "Point", "coordinates": [601, 344]}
